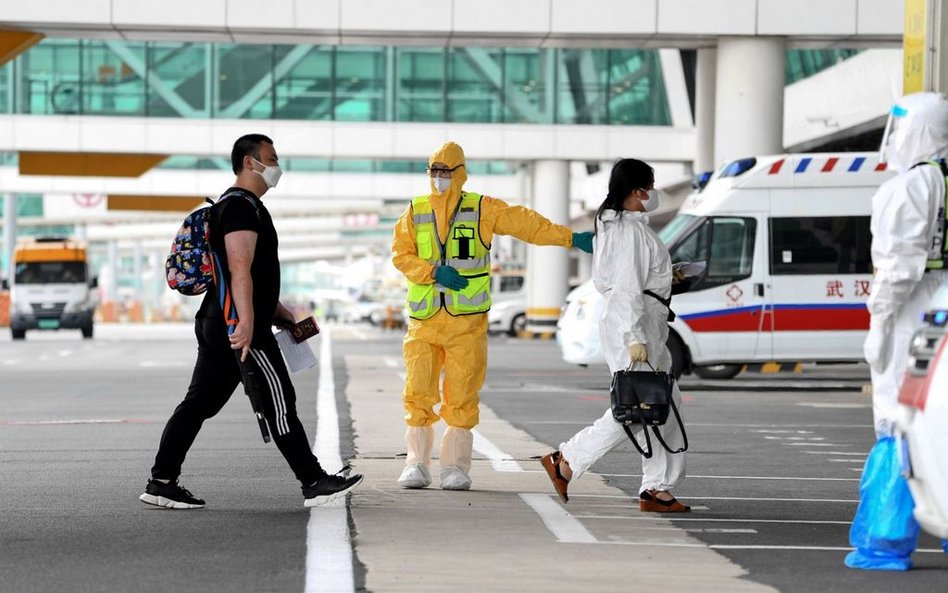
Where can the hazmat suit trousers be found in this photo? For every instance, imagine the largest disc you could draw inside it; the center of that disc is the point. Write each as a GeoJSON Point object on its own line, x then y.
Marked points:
{"type": "Point", "coordinates": [663, 471]}
{"type": "Point", "coordinates": [456, 345]}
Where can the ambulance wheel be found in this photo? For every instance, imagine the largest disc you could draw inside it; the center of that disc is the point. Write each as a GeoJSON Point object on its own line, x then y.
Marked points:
{"type": "Point", "coordinates": [18, 334]}
{"type": "Point", "coordinates": [718, 371]}
{"type": "Point", "coordinates": [678, 354]}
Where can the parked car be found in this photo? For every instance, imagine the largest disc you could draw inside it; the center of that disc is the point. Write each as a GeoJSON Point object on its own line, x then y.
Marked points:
{"type": "Point", "coordinates": [508, 309]}
{"type": "Point", "coordinates": [923, 420]}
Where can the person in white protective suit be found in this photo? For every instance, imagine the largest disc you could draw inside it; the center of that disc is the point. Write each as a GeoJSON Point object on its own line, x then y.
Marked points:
{"type": "Point", "coordinates": [628, 260]}
{"type": "Point", "coordinates": [910, 263]}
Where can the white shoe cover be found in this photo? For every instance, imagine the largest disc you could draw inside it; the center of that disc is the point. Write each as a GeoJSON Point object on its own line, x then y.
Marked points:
{"type": "Point", "coordinates": [415, 476]}
{"type": "Point", "coordinates": [453, 478]}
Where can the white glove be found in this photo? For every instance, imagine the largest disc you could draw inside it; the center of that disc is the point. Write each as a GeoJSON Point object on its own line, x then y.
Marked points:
{"type": "Point", "coordinates": [638, 353]}
{"type": "Point", "coordinates": [878, 345]}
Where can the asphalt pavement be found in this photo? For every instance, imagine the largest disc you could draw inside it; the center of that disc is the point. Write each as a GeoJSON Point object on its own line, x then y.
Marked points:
{"type": "Point", "coordinates": [772, 474]}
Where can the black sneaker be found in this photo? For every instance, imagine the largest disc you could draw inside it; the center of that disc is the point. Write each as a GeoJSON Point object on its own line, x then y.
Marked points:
{"type": "Point", "coordinates": [329, 488]}
{"type": "Point", "coordinates": [170, 496]}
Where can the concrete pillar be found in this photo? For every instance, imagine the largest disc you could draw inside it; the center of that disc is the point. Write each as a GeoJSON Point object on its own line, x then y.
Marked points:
{"type": "Point", "coordinates": [705, 75]}
{"type": "Point", "coordinates": [748, 106]}
{"type": "Point", "coordinates": [9, 234]}
{"type": "Point", "coordinates": [548, 272]}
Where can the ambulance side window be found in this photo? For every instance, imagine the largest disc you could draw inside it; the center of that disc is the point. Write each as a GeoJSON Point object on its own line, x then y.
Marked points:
{"type": "Point", "coordinates": [726, 244]}
{"type": "Point", "coordinates": [820, 245]}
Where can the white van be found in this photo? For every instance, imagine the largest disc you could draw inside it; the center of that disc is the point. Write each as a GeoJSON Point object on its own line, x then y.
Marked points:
{"type": "Point", "coordinates": [52, 288]}
{"type": "Point", "coordinates": [787, 244]}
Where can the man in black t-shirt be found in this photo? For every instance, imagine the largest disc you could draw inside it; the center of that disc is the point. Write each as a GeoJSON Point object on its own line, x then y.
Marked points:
{"type": "Point", "coordinates": [243, 237]}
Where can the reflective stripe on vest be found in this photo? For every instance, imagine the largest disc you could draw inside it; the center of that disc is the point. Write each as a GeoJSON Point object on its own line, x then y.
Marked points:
{"type": "Point", "coordinates": [938, 250]}
{"type": "Point", "coordinates": [464, 251]}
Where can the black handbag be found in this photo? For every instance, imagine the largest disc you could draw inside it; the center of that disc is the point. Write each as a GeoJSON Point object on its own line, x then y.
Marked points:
{"type": "Point", "coordinates": [645, 398]}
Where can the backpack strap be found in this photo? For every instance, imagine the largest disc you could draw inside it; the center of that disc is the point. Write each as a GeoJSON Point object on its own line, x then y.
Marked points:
{"type": "Point", "coordinates": [224, 298]}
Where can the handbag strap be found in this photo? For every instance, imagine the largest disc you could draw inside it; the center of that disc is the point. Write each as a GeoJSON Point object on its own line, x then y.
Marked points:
{"type": "Point", "coordinates": [648, 441]}
{"type": "Point", "coordinates": [684, 435]}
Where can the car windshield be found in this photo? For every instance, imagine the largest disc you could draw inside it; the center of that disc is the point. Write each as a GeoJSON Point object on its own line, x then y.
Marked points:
{"type": "Point", "coordinates": [50, 272]}
{"type": "Point", "coordinates": [675, 230]}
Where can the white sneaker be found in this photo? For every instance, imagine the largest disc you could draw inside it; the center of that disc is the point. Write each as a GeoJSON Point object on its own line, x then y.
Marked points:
{"type": "Point", "coordinates": [415, 476]}
{"type": "Point", "coordinates": [453, 478]}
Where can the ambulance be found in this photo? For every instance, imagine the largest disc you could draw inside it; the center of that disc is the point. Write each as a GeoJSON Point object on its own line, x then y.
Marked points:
{"type": "Point", "coordinates": [51, 287]}
{"type": "Point", "coordinates": [786, 245]}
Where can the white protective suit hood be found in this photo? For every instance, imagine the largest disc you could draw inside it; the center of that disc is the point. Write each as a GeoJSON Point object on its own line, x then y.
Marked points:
{"type": "Point", "coordinates": [917, 131]}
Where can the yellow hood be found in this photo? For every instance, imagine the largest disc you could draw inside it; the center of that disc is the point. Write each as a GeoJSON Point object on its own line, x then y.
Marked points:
{"type": "Point", "coordinates": [452, 155]}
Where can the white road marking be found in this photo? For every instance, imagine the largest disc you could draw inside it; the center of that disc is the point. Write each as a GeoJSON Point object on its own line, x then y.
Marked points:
{"type": "Point", "coordinates": [834, 453]}
{"type": "Point", "coordinates": [149, 364]}
{"type": "Point", "coordinates": [402, 375]}
{"type": "Point", "coordinates": [834, 405]}
{"type": "Point", "coordinates": [691, 496]}
{"type": "Point", "coordinates": [65, 353]}
{"type": "Point", "coordinates": [500, 461]}
{"type": "Point", "coordinates": [814, 445]}
{"type": "Point", "coordinates": [566, 528]}
{"type": "Point", "coordinates": [328, 542]}
{"type": "Point", "coordinates": [783, 431]}
{"type": "Point", "coordinates": [699, 520]}
{"type": "Point", "coordinates": [842, 460]}
{"type": "Point", "coordinates": [392, 362]}
{"type": "Point", "coordinates": [11, 361]}
{"type": "Point", "coordinates": [691, 477]}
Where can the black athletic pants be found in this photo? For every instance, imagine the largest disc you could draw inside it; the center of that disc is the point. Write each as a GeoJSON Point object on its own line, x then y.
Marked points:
{"type": "Point", "coordinates": [216, 376]}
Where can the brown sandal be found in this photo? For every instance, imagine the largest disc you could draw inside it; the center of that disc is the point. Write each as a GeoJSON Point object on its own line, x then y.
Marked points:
{"type": "Point", "coordinates": [551, 463]}
{"type": "Point", "coordinates": [648, 503]}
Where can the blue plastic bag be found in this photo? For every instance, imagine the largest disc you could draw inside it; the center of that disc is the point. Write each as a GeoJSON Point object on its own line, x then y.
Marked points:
{"type": "Point", "coordinates": [884, 532]}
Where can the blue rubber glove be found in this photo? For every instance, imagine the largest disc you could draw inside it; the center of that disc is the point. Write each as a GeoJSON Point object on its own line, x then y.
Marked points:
{"type": "Point", "coordinates": [450, 278]}
{"type": "Point", "coordinates": [583, 241]}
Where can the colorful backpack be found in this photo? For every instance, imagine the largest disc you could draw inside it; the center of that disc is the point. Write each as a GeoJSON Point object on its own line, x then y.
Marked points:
{"type": "Point", "coordinates": [191, 266]}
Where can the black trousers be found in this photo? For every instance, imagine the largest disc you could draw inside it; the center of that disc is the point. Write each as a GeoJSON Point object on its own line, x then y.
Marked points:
{"type": "Point", "coordinates": [216, 376]}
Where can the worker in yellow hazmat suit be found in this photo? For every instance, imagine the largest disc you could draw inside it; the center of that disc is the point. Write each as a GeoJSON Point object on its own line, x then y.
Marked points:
{"type": "Point", "coordinates": [442, 245]}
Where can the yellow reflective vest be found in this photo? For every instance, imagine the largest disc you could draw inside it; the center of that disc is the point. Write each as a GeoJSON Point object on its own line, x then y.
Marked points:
{"type": "Point", "coordinates": [464, 251]}
{"type": "Point", "coordinates": [938, 251]}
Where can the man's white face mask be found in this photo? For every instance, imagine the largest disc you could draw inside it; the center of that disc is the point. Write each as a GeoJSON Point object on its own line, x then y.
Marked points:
{"type": "Point", "coordinates": [654, 200]}
{"type": "Point", "coordinates": [441, 185]}
{"type": "Point", "coordinates": [271, 173]}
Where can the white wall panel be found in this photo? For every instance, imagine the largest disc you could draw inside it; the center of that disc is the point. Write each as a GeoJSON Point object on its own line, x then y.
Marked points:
{"type": "Point", "coordinates": [77, 12]}
{"type": "Point", "coordinates": [708, 17]}
{"type": "Point", "coordinates": [45, 134]}
{"type": "Point", "coordinates": [522, 140]}
{"type": "Point", "coordinates": [333, 139]}
{"type": "Point", "coordinates": [881, 17]}
{"type": "Point", "coordinates": [170, 14]}
{"type": "Point", "coordinates": [528, 17]}
{"type": "Point", "coordinates": [429, 16]}
{"type": "Point", "coordinates": [806, 17]}
{"type": "Point", "coordinates": [354, 140]}
{"type": "Point", "coordinates": [420, 140]}
{"type": "Point", "coordinates": [605, 16]}
{"type": "Point", "coordinates": [274, 14]}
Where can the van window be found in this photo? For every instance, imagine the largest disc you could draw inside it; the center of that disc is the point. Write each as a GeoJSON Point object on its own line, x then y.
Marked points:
{"type": "Point", "coordinates": [50, 272]}
{"type": "Point", "coordinates": [820, 245]}
{"type": "Point", "coordinates": [726, 244]}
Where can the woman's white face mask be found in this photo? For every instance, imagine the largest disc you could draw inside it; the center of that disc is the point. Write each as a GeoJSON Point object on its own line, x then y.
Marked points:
{"type": "Point", "coordinates": [271, 173]}
{"type": "Point", "coordinates": [654, 200]}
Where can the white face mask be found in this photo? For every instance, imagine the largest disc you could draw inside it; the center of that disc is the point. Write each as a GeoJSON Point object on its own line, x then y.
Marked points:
{"type": "Point", "coordinates": [441, 185]}
{"type": "Point", "coordinates": [654, 200]}
{"type": "Point", "coordinates": [271, 173]}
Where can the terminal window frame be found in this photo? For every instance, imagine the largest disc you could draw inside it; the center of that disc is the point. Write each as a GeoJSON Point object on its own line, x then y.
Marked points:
{"type": "Point", "coordinates": [729, 255]}
{"type": "Point", "coordinates": [819, 245]}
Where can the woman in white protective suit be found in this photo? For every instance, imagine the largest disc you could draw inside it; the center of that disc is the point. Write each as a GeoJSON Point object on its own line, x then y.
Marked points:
{"type": "Point", "coordinates": [628, 259]}
{"type": "Point", "coordinates": [910, 264]}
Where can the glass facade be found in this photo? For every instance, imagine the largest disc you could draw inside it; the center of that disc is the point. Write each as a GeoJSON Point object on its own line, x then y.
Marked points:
{"type": "Point", "coordinates": [350, 83]}
{"type": "Point", "coordinates": [802, 63]}
{"type": "Point", "coordinates": [341, 83]}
